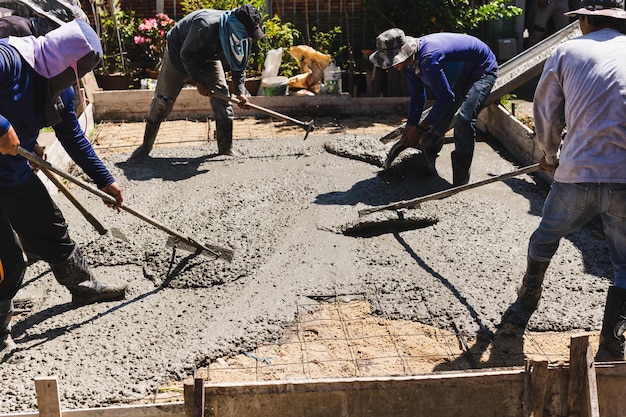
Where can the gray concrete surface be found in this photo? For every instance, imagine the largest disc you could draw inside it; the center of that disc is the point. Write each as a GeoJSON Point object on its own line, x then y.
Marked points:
{"type": "Point", "coordinates": [277, 206]}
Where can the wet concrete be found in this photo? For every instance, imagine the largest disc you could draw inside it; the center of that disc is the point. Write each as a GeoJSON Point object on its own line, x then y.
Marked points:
{"type": "Point", "coordinates": [278, 207]}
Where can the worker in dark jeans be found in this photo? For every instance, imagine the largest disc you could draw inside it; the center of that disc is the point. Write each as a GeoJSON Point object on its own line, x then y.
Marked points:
{"type": "Point", "coordinates": [195, 47]}
{"type": "Point", "coordinates": [582, 87]}
{"type": "Point", "coordinates": [36, 75]}
{"type": "Point", "coordinates": [460, 70]}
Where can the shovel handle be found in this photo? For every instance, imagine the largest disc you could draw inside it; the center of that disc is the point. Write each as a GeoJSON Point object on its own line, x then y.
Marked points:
{"type": "Point", "coordinates": [450, 191]}
{"type": "Point", "coordinates": [90, 217]}
{"type": "Point", "coordinates": [306, 125]}
{"type": "Point", "coordinates": [35, 159]}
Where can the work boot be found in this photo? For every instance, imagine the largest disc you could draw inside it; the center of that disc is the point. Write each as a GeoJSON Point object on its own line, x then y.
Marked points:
{"type": "Point", "coordinates": [224, 134]}
{"type": "Point", "coordinates": [529, 293]}
{"type": "Point", "coordinates": [461, 163]}
{"type": "Point", "coordinates": [430, 145]}
{"type": "Point", "coordinates": [85, 289]}
{"type": "Point", "coordinates": [612, 343]}
{"type": "Point", "coordinates": [149, 136]}
{"type": "Point", "coordinates": [6, 342]}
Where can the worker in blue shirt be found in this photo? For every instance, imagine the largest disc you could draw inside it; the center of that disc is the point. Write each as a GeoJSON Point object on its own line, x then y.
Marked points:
{"type": "Point", "coordinates": [460, 71]}
{"type": "Point", "coordinates": [36, 74]}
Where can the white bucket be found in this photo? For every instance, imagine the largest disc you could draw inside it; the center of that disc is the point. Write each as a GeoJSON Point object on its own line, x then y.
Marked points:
{"type": "Point", "coordinates": [275, 86]}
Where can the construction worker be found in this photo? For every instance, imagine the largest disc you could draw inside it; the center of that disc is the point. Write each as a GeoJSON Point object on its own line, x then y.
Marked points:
{"type": "Point", "coordinates": [460, 70]}
{"type": "Point", "coordinates": [35, 73]}
{"type": "Point", "coordinates": [582, 87]}
{"type": "Point", "coordinates": [544, 13]}
{"type": "Point", "coordinates": [195, 47]}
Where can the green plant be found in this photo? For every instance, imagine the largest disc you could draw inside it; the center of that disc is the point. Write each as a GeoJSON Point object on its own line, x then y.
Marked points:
{"type": "Point", "coordinates": [436, 15]}
{"type": "Point", "coordinates": [151, 37]}
{"type": "Point", "coordinates": [189, 6]}
{"type": "Point", "coordinates": [325, 41]}
{"type": "Point", "coordinates": [277, 35]}
{"type": "Point", "coordinates": [116, 29]}
{"type": "Point", "coordinates": [494, 10]}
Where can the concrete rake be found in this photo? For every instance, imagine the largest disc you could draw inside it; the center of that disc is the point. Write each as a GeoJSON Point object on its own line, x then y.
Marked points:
{"type": "Point", "coordinates": [186, 241]}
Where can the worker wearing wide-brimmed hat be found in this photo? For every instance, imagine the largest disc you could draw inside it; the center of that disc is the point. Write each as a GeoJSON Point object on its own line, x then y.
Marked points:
{"type": "Point", "coordinates": [460, 70]}
{"type": "Point", "coordinates": [582, 88]}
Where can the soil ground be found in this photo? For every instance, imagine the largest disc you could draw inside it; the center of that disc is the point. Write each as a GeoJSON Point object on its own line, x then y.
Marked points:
{"type": "Point", "coordinates": [300, 299]}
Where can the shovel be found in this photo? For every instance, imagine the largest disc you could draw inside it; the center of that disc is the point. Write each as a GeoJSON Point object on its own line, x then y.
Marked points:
{"type": "Point", "coordinates": [308, 126]}
{"type": "Point", "coordinates": [414, 203]}
{"type": "Point", "coordinates": [67, 193]}
{"type": "Point", "coordinates": [216, 251]}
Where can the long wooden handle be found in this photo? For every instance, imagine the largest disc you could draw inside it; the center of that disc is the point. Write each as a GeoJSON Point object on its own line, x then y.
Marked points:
{"type": "Point", "coordinates": [67, 193]}
{"type": "Point", "coordinates": [450, 191]}
{"type": "Point", "coordinates": [109, 199]}
{"type": "Point", "coordinates": [265, 110]}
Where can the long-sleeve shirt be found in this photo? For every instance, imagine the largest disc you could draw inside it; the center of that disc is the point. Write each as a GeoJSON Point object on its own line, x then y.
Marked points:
{"type": "Point", "coordinates": [583, 87]}
{"type": "Point", "coordinates": [195, 40]}
{"type": "Point", "coordinates": [21, 106]}
{"type": "Point", "coordinates": [445, 62]}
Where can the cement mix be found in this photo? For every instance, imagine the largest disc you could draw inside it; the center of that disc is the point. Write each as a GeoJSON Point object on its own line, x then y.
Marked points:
{"type": "Point", "coordinates": [280, 206]}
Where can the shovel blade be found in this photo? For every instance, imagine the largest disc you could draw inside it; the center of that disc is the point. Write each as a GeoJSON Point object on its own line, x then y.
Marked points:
{"type": "Point", "coordinates": [212, 251]}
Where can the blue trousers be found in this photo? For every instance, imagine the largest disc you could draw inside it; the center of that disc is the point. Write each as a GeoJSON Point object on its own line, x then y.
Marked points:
{"type": "Point", "coordinates": [569, 206]}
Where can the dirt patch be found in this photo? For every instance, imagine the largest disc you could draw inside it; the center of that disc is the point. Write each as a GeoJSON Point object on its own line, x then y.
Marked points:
{"type": "Point", "coordinates": [275, 207]}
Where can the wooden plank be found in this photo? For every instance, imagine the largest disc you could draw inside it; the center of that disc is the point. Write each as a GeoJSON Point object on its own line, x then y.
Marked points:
{"type": "Point", "coordinates": [188, 398]}
{"type": "Point", "coordinates": [611, 379]}
{"type": "Point", "coordinates": [535, 387]}
{"type": "Point", "coordinates": [47, 397]}
{"type": "Point", "coordinates": [496, 393]}
{"type": "Point", "coordinates": [133, 105]}
{"type": "Point", "coordinates": [198, 397]}
{"type": "Point", "coordinates": [582, 392]}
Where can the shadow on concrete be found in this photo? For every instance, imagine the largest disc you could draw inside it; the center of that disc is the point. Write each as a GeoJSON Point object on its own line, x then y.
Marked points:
{"type": "Point", "coordinates": [404, 181]}
{"type": "Point", "coordinates": [168, 169]}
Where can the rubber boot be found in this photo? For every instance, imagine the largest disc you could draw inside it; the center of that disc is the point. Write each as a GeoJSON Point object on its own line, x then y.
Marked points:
{"type": "Point", "coordinates": [612, 343]}
{"type": "Point", "coordinates": [149, 136]}
{"type": "Point", "coordinates": [431, 145]}
{"type": "Point", "coordinates": [224, 134]}
{"type": "Point", "coordinates": [461, 163]}
{"type": "Point", "coordinates": [6, 342]}
{"type": "Point", "coordinates": [529, 293]}
{"type": "Point", "coordinates": [85, 289]}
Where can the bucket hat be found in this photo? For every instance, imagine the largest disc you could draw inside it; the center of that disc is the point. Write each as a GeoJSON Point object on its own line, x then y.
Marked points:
{"type": "Point", "coordinates": [392, 48]}
{"type": "Point", "coordinates": [609, 8]}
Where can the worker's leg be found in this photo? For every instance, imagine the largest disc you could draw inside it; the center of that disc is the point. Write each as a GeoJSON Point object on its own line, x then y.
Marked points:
{"type": "Point", "coordinates": [465, 127]}
{"type": "Point", "coordinates": [612, 341]}
{"type": "Point", "coordinates": [40, 224]}
{"type": "Point", "coordinates": [222, 109]}
{"type": "Point", "coordinates": [169, 84]}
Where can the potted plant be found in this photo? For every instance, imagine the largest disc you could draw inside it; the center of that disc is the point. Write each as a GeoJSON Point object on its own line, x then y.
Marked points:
{"type": "Point", "coordinates": [115, 28]}
{"type": "Point", "coordinates": [151, 36]}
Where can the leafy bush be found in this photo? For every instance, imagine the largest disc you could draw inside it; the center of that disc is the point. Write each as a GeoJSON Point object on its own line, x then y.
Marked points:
{"type": "Point", "coordinates": [430, 16]}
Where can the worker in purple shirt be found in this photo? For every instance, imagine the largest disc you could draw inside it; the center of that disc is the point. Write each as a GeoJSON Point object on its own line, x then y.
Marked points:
{"type": "Point", "coordinates": [460, 70]}
{"type": "Point", "coordinates": [35, 73]}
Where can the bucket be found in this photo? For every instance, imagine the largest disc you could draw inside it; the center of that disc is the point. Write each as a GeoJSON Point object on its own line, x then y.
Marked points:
{"type": "Point", "coordinates": [332, 79]}
{"type": "Point", "coordinates": [275, 86]}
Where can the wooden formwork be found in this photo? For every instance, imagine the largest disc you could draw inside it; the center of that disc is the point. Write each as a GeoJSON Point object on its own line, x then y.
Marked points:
{"type": "Point", "coordinates": [579, 388]}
